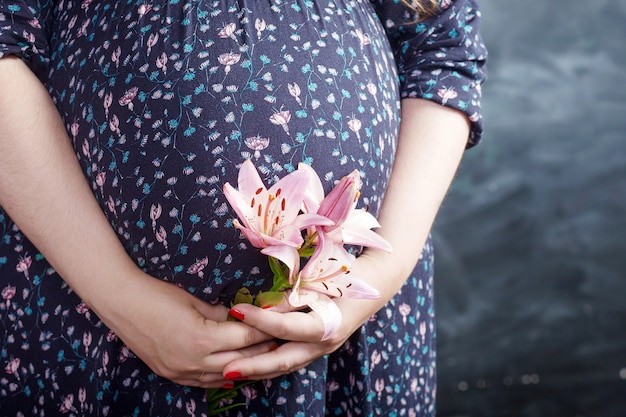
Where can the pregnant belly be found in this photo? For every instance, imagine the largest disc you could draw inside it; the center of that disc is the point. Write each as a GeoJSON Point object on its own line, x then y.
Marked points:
{"type": "Point", "coordinates": [172, 98]}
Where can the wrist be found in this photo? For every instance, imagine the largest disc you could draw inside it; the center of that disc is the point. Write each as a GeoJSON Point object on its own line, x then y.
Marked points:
{"type": "Point", "coordinates": [107, 289]}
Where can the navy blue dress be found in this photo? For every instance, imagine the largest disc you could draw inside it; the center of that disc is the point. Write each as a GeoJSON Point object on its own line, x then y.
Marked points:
{"type": "Point", "coordinates": [162, 101]}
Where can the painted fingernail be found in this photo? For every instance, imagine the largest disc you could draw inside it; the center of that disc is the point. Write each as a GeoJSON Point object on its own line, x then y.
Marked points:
{"type": "Point", "coordinates": [274, 347]}
{"type": "Point", "coordinates": [236, 314]}
{"type": "Point", "coordinates": [228, 385]}
{"type": "Point", "coordinates": [232, 375]}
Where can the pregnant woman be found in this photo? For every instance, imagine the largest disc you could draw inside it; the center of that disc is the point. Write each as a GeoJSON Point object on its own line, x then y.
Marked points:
{"type": "Point", "coordinates": [120, 121]}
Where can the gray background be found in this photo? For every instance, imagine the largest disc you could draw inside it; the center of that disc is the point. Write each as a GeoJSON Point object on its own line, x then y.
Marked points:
{"type": "Point", "coordinates": [531, 241]}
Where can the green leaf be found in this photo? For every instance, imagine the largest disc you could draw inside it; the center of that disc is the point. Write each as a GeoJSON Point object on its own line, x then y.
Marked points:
{"type": "Point", "coordinates": [243, 296]}
{"type": "Point", "coordinates": [281, 275]}
{"type": "Point", "coordinates": [269, 298]}
{"type": "Point", "coordinates": [279, 270]}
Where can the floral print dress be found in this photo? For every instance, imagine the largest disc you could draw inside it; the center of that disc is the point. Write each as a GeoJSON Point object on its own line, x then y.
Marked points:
{"type": "Point", "coordinates": [163, 100]}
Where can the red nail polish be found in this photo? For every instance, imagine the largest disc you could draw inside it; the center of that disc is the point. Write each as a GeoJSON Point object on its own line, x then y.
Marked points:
{"type": "Point", "coordinates": [274, 347]}
{"type": "Point", "coordinates": [236, 314]}
{"type": "Point", "coordinates": [233, 375]}
{"type": "Point", "coordinates": [228, 385]}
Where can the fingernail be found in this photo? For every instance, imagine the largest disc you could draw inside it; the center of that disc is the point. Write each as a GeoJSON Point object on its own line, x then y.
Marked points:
{"type": "Point", "coordinates": [236, 314]}
{"type": "Point", "coordinates": [228, 385]}
{"type": "Point", "coordinates": [232, 375]}
{"type": "Point", "coordinates": [274, 347]}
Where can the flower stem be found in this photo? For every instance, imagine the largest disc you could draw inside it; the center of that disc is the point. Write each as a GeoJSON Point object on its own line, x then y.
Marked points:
{"type": "Point", "coordinates": [308, 244]}
{"type": "Point", "coordinates": [216, 396]}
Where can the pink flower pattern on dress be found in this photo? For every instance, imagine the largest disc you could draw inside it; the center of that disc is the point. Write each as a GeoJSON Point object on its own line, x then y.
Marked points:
{"type": "Point", "coordinates": [257, 144]}
{"type": "Point", "coordinates": [282, 119]}
{"type": "Point", "coordinates": [228, 59]}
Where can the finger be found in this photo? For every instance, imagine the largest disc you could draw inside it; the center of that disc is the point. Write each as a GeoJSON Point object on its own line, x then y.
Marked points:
{"type": "Point", "coordinates": [209, 380]}
{"type": "Point", "coordinates": [203, 380]}
{"type": "Point", "coordinates": [233, 335]}
{"type": "Point", "coordinates": [286, 359]}
{"type": "Point", "coordinates": [220, 383]}
{"type": "Point", "coordinates": [212, 312]}
{"type": "Point", "coordinates": [294, 326]}
{"type": "Point", "coordinates": [215, 362]}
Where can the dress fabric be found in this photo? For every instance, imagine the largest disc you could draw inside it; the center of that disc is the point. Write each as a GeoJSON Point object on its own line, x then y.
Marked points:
{"type": "Point", "coordinates": [163, 100]}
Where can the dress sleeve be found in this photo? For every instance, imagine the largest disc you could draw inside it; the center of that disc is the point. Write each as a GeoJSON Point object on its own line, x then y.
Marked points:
{"type": "Point", "coordinates": [23, 31]}
{"type": "Point", "coordinates": [441, 58]}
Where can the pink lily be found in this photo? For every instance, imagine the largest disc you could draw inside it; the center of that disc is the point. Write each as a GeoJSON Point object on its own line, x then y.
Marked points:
{"type": "Point", "coordinates": [327, 274]}
{"type": "Point", "coordinates": [350, 226]}
{"type": "Point", "coordinates": [271, 219]}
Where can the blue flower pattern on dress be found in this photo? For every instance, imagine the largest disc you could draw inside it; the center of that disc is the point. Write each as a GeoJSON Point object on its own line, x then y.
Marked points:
{"type": "Point", "coordinates": [162, 101]}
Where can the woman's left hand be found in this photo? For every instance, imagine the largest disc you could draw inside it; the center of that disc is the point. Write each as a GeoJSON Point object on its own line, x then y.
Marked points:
{"type": "Point", "coordinates": [302, 332]}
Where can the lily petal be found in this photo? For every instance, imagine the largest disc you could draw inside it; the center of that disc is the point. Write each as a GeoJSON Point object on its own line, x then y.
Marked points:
{"type": "Point", "coordinates": [330, 314]}
{"type": "Point", "coordinates": [362, 218]}
{"type": "Point", "coordinates": [287, 255]}
{"type": "Point", "coordinates": [317, 263]}
{"type": "Point", "coordinates": [321, 304]}
{"type": "Point", "coordinates": [356, 231]}
{"type": "Point", "coordinates": [314, 191]}
{"type": "Point", "coordinates": [241, 205]}
{"type": "Point", "coordinates": [286, 197]}
{"type": "Point", "coordinates": [347, 285]}
{"type": "Point", "coordinates": [256, 239]}
{"type": "Point", "coordinates": [296, 298]}
{"type": "Point", "coordinates": [365, 237]}
{"type": "Point", "coordinates": [342, 199]}
{"type": "Point", "coordinates": [268, 216]}
{"type": "Point", "coordinates": [289, 234]}
{"type": "Point", "coordinates": [306, 220]}
{"type": "Point", "coordinates": [249, 181]}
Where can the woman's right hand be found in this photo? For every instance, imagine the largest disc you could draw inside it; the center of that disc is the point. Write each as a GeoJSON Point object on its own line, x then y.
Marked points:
{"type": "Point", "coordinates": [177, 335]}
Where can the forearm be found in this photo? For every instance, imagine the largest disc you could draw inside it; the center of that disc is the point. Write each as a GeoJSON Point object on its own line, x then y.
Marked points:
{"type": "Point", "coordinates": [43, 189]}
{"type": "Point", "coordinates": [431, 142]}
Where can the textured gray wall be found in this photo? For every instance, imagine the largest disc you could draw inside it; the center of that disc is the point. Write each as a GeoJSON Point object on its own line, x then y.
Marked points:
{"type": "Point", "coordinates": [531, 279]}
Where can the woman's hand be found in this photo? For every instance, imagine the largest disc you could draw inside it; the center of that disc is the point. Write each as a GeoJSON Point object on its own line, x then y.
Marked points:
{"type": "Point", "coordinates": [177, 335]}
{"type": "Point", "coordinates": [303, 331]}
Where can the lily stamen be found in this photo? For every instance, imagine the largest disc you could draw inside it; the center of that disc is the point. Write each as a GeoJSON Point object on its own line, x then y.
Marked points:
{"type": "Point", "coordinates": [343, 270]}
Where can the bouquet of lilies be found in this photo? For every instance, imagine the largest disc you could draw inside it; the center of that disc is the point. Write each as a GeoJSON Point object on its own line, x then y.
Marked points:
{"type": "Point", "coordinates": [304, 234]}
